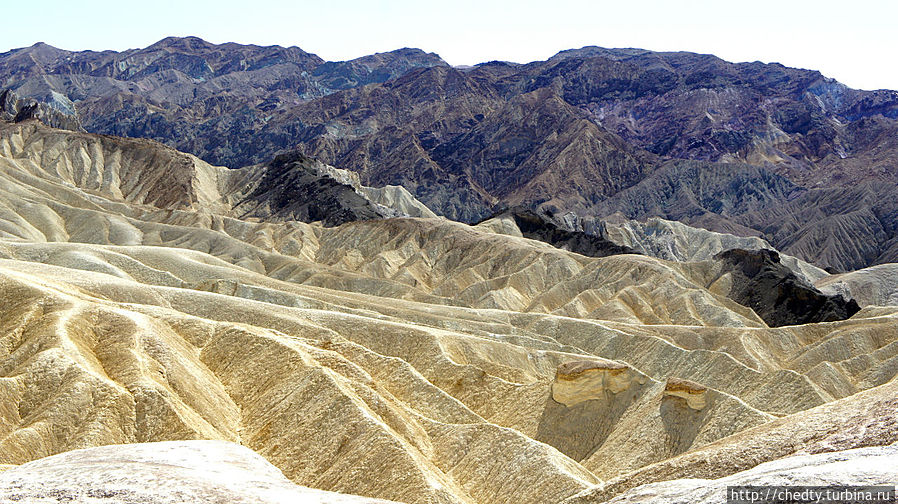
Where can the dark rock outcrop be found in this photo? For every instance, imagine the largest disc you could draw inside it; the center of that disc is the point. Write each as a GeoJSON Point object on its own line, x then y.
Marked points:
{"type": "Point", "coordinates": [542, 228]}
{"type": "Point", "coordinates": [776, 294]}
{"type": "Point", "coordinates": [16, 109]}
{"type": "Point", "coordinates": [292, 189]}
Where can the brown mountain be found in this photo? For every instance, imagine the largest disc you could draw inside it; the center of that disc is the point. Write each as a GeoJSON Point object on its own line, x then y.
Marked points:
{"type": "Point", "coordinates": [750, 148]}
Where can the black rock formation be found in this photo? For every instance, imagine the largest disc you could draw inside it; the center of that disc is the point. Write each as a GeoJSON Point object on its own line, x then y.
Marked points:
{"type": "Point", "coordinates": [776, 294]}
{"type": "Point", "coordinates": [292, 189]}
{"type": "Point", "coordinates": [542, 228]}
{"type": "Point", "coordinates": [14, 108]}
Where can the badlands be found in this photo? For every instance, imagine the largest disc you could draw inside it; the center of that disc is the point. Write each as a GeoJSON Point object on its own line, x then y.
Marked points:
{"type": "Point", "coordinates": [186, 313]}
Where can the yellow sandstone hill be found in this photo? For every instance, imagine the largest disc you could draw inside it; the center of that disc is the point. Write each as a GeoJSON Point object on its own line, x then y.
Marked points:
{"type": "Point", "coordinates": [416, 360]}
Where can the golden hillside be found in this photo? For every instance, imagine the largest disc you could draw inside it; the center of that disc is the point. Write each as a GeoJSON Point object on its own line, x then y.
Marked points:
{"type": "Point", "coordinates": [415, 360]}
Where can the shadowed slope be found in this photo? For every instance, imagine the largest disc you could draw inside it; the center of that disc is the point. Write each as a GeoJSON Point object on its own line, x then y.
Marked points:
{"type": "Point", "coordinates": [775, 293]}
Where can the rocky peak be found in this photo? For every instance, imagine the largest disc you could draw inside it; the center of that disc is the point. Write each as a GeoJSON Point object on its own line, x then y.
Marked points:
{"type": "Point", "coordinates": [374, 68]}
{"type": "Point", "coordinates": [541, 227]}
{"type": "Point", "coordinates": [16, 109]}
{"type": "Point", "coordinates": [294, 186]}
{"type": "Point", "coordinates": [595, 51]}
{"type": "Point", "coordinates": [188, 43]}
{"type": "Point", "coordinates": [760, 281]}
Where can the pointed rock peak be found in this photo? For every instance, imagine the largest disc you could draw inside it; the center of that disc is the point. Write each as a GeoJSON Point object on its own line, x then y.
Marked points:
{"type": "Point", "coordinates": [750, 261]}
{"type": "Point", "coordinates": [289, 160]}
{"type": "Point", "coordinates": [409, 51]}
{"type": "Point", "coordinates": [497, 63]}
{"type": "Point", "coordinates": [414, 52]}
{"type": "Point", "coordinates": [296, 187]}
{"type": "Point", "coordinates": [43, 50]}
{"type": "Point", "coordinates": [596, 51]}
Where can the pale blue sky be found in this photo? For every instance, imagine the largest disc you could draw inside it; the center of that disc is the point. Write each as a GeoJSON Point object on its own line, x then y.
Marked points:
{"type": "Point", "coordinates": [853, 41]}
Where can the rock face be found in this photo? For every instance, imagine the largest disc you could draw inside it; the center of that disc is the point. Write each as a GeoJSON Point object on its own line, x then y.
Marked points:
{"type": "Point", "coordinates": [292, 189]}
{"type": "Point", "coordinates": [876, 285]}
{"type": "Point", "coordinates": [693, 394]}
{"type": "Point", "coordinates": [579, 381]}
{"type": "Point", "coordinates": [418, 360]}
{"type": "Point", "coordinates": [749, 148]}
{"type": "Point", "coordinates": [176, 472]}
{"type": "Point", "coordinates": [530, 224]}
{"type": "Point", "coordinates": [15, 109]}
{"type": "Point", "coordinates": [758, 280]}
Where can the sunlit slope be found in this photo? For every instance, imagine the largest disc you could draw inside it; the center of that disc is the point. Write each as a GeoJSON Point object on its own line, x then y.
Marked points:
{"type": "Point", "coordinates": [96, 359]}
{"type": "Point", "coordinates": [873, 286]}
{"type": "Point", "coordinates": [175, 472]}
{"type": "Point", "coordinates": [56, 190]}
{"type": "Point", "coordinates": [417, 360]}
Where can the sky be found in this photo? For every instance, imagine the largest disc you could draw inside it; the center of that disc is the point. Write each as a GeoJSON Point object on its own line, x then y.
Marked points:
{"type": "Point", "coordinates": [853, 41]}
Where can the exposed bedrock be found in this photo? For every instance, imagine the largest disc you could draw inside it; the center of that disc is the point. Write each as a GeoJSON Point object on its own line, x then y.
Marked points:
{"type": "Point", "coordinates": [599, 409]}
{"type": "Point", "coordinates": [760, 281]}
{"type": "Point", "coordinates": [535, 226]}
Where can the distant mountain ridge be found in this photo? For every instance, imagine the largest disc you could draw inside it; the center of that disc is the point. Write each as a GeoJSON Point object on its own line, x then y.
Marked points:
{"type": "Point", "coordinates": [747, 148]}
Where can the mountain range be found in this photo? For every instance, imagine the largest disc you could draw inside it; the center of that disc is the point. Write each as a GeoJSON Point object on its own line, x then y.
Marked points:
{"type": "Point", "coordinates": [747, 148]}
